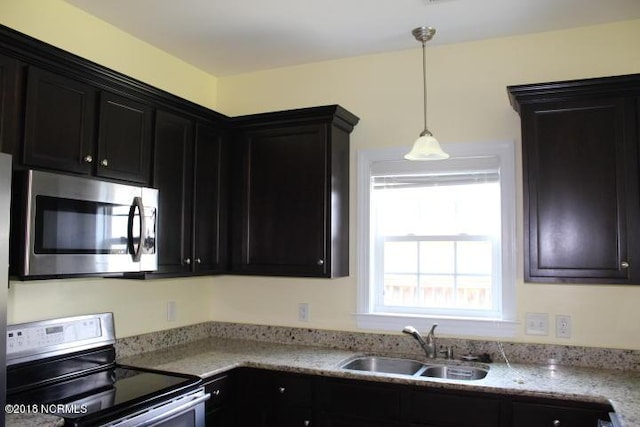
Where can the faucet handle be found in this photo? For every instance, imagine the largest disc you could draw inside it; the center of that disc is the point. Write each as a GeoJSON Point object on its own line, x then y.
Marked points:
{"type": "Point", "coordinates": [447, 352]}
{"type": "Point", "coordinates": [433, 328]}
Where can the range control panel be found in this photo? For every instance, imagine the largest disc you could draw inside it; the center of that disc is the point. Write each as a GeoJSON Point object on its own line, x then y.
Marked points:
{"type": "Point", "coordinates": [53, 335]}
{"type": "Point", "coordinates": [43, 336]}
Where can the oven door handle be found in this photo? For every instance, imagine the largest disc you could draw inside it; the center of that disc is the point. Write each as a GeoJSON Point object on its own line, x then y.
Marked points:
{"type": "Point", "coordinates": [136, 253]}
{"type": "Point", "coordinates": [164, 412]}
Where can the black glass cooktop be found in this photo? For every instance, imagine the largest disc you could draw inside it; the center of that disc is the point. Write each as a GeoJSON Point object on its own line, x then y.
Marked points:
{"type": "Point", "coordinates": [105, 392]}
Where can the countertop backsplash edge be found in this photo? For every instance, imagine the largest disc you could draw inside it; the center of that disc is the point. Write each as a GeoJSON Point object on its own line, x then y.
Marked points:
{"type": "Point", "coordinates": [383, 344]}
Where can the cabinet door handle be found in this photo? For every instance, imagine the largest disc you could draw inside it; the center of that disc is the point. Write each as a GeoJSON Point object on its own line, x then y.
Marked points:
{"type": "Point", "coordinates": [187, 261]}
{"type": "Point", "coordinates": [216, 393]}
{"type": "Point", "coordinates": [88, 158]}
{"type": "Point", "coordinates": [556, 423]}
{"type": "Point", "coordinates": [306, 423]}
{"type": "Point", "coordinates": [320, 261]}
{"type": "Point", "coordinates": [624, 264]}
{"type": "Point", "coordinates": [198, 261]}
{"type": "Point", "coordinates": [281, 390]}
{"type": "Point", "coordinates": [104, 162]}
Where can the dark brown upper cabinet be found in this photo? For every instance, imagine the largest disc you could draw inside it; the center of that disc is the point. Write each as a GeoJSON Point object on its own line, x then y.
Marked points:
{"type": "Point", "coordinates": [10, 104]}
{"type": "Point", "coordinates": [190, 166]}
{"type": "Point", "coordinates": [173, 172]}
{"type": "Point", "coordinates": [291, 195]}
{"type": "Point", "coordinates": [581, 174]}
{"type": "Point", "coordinates": [210, 192]}
{"type": "Point", "coordinates": [59, 120]}
{"type": "Point", "coordinates": [124, 139]}
{"type": "Point", "coordinates": [61, 114]}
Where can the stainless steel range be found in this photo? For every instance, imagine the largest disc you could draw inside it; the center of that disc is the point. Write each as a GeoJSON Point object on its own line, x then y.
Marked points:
{"type": "Point", "coordinates": [67, 367]}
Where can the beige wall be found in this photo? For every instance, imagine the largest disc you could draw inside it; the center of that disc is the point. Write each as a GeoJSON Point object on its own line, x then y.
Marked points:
{"type": "Point", "coordinates": [138, 306]}
{"type": "Point", "coordinates": [467, 102]}
{"type": "Point", "coordinates": [69, 28]}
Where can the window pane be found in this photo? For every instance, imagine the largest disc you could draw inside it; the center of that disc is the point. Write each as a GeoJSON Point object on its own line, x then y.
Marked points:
{"type": "Point", "coordinates": [447, 210]}
{"type": "Point", "coordinates": [437, 257]}
{"type": "Point", "coordinates": [400, 290]}
{"type": "Point", "coordinates": [474, 292]}
{"type": "Point", "coordinates": [474, 257]}
{"type": "Point", "coordinates": [436, 291]}
{"type": "Point", "coordinates": [436, 243]}
{"type": "Point", "coordinates": [400, 257]}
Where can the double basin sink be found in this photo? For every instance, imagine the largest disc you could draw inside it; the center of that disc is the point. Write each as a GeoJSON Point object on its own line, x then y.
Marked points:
{"type": "Point", "coordinates": [399, 366]}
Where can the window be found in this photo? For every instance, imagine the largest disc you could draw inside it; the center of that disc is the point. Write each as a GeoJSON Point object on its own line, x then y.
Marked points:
{"type": "Point", "coordinates": [436, 240]}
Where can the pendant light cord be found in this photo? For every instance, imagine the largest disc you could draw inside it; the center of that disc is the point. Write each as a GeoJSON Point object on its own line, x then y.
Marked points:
{"type": "Point", "coordinates": [424, 78]}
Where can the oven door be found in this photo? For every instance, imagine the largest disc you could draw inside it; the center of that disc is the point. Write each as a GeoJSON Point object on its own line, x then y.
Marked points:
{"type": "Point", "coordinates": [84, 226]}
{"type": "Point", "coordinates": [184, 411]}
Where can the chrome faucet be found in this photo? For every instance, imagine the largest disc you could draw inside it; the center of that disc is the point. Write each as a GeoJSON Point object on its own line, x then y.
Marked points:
{"type": "Point", "coordinates": [429, 346]}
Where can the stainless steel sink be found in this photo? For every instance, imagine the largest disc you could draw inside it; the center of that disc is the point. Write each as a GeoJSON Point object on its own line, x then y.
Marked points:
{"type": "Point", "coordinates": [455, 372]}
{"type": "Point", "coordinates": [385, 365]}
{"type": "Point", "coordinates": [400, 366]}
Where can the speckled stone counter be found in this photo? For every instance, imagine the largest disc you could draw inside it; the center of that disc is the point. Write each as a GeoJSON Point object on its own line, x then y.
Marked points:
{"type": "Point", "coordinates": [32, 420]}
{"type": "Point", "coordinates": [211, 356]}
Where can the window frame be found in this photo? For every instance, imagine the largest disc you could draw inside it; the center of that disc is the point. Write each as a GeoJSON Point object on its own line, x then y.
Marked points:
{"type": "Point", "coordinates": [502, 326]}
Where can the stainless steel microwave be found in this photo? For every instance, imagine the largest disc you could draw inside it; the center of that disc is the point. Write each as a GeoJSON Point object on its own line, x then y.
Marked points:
{"type": "Point", "coordinates": [81, 226]}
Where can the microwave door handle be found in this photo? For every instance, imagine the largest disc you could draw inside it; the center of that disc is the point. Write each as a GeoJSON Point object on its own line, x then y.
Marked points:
{"type": "Point", "coordinates": [136, 252]}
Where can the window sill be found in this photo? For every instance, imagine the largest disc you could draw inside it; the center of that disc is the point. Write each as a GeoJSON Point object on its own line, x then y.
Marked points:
{"type": "Point", "coordinates": [494, 328]}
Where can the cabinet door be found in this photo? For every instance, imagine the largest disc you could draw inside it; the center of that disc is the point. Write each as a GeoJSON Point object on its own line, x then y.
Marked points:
{"type": "Point", "coordinates": [443, 409]}
{"type": "Point", "coordinates": [210, 231]}
{"type": "Point", "coordinates": [580, 190]}
{"type": "Point", "coordinates": [58, 123]}
{"type": "Point", "coordinates": [283, 213]}
{"type": "Point", "coordinates": [173, 177]}
{"type": "Point", "coordinates": [345, 399]}
{"type": "Point", "coordinates": [10, 104]}
{"type": "Point", "coordinates": [219, 407]}
{"type": "Point", "coordinates": [333, 420]}
{"type": "Point", "coordinates": [274, 399]}
{"type": "Point", "coordinates": [124, 139]}
{"type": "Point", "coordinates": [535, 415]}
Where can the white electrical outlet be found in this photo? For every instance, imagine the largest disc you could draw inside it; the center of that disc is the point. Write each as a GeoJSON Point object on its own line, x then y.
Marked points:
{"type": "Point", "coordinates": [536, 323]}
{"type": "Point", "coordinates": [303, 312]}
{"type": "Point", "coordinates": [563, 326]}
{"type": "Point", "coordinates": [171, 311]}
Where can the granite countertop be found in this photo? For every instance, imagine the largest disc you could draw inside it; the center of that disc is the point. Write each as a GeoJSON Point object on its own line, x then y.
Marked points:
{"type": "Point", "coordinates": [211, 356]}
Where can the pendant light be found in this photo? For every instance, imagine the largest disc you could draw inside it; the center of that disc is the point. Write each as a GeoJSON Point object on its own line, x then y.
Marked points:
{"type": "Point", "coordinates": [426, 146]}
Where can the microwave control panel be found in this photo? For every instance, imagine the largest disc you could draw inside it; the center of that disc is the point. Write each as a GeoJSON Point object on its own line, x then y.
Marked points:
{"type": "Point", "coordinates": [52, 336]}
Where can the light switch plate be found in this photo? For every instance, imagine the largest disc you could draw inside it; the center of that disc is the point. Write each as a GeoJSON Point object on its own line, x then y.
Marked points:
{"type": "Point", "coordinates": [536, 323]}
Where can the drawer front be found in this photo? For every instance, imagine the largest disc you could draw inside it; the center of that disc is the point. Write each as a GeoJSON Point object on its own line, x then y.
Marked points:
{"type": "Point", "coordinates": [448, 409]}
{"type": "Point", "coordinates": [543, 415]}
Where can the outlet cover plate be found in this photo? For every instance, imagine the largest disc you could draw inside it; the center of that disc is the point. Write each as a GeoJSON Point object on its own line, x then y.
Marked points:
{"type": "Point", "coordinates": [563, 326]}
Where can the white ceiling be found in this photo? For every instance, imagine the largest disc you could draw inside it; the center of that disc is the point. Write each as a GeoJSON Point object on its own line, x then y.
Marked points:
{"type": "Point", "coordinates": [226, 37]}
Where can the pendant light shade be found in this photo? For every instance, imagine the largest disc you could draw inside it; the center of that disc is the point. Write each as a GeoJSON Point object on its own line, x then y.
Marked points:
{"type": "Point", "coordinates": [426, 146]}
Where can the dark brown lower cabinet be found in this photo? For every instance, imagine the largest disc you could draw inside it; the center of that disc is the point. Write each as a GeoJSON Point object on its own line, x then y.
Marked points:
{"type": "Point", "coordinates": [442, 408]}
{"type": "Point", "coordinates": [333, 420]}
{"type": "Point", "coordinates": [274, 399]}
{"type": "Point", "coordinates": [347, 402]}
{"type": "Point", "coordinates": [219, 407]}
{"type": "Point", "coordinates": [527, 414]}
{"type": "Point", "coordinates": [265, 398]}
